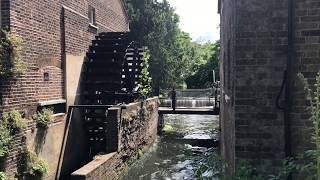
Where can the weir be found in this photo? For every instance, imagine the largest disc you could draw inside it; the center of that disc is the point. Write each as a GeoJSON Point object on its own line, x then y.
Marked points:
{"type": "Point", "coordinates": [190, 101]}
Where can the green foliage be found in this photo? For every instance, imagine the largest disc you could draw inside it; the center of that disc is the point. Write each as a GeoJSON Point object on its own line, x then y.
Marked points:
{"type": "Point", "coordinates": [33, 167]}
{"type": "Point", "coordinates": [3, 176]}
{"type": "Point", "coordinates": [14, 121]}
{"type": "Point", "coordinates": [144, 86]}
{"type": "Point", "coordinates": [155, 25]}
{"type": "Point", "coordinates": [213, 163]}
{"type": "Point", "coordinates": [245, 171]}
{"type": "Point", "coordinates": [308, 162]}
{"type": "Point", "coordinates": [5, 139]}
{"type": "Point", "coordinates": [11, 63]}
{"type": "Point", "coordinates": [202, 76]}
{"type": "Point", "coordinates": [173, 55]}
{"type": "Point", "coordinates": [43, 117]}
{"type": "Point", "coordinates": [313, 96]}
{"type": "Point", "coordinates": [10, 124]}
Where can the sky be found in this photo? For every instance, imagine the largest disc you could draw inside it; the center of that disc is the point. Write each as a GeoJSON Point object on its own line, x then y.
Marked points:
{"type": "Point", "coordinates": [199, 18]}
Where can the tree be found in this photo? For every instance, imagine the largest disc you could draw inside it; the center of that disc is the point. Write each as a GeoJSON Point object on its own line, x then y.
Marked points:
{"type": "Point", "coordinates": [173, 55]}
{"type": "Point", "coordinates": [155, 24]}
{"type": "Point", "coordinates": [203, 77]}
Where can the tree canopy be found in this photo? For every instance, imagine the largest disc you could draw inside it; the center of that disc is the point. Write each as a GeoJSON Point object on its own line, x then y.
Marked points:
{"type": "Point", "coordinates": [174, 57]}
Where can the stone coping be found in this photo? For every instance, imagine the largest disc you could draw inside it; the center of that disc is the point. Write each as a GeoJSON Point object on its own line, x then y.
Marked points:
{"type": "Point", "coordinates": [93, 165]}
{"type": "Point", "coordinates": [51, 102]}
{"type": "Point", "coordinates": [136, 103]}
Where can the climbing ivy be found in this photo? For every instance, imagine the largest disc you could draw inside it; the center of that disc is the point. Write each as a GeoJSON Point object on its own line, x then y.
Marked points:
{"type": "Point", "coordinates": [5, 139]}
{"type": "Point", "coordinates": [144, 86]}
{"type": "Point", "coordinates": [11, 63]}
{"type": "Point", "coordinates": [43, 117]}
{"type": "Point", "coordinates": [14, 121]}
{"type": "Point", "coordinates": [313, 96]}
{"type": "Point", "coordinates": [311, 167]}
{"type": "Point", "coordinates": [10, 124]}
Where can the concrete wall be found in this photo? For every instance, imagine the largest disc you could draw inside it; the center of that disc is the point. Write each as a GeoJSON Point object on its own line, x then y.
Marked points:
{"type": "Point", "coordinates": [255, 31]}
{"type": "Point", "coordinates": [73, 69]}
{"type": "Point", "coordinates": [137, 130]}
{"type": "Point", "coordinates": [47, 144]}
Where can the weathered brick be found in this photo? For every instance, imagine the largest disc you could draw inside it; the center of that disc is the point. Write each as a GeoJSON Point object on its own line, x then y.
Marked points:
{"type": "Point", "coordinates": [254, 54]}
{"type": "Point", "coordinates": [50, 30]}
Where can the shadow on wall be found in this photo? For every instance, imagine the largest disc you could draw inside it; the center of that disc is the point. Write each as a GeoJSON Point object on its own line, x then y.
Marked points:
{"type": "Point", "coordinates": [40, 139]}
{"type": "Point", "coordinates": [75, 151]}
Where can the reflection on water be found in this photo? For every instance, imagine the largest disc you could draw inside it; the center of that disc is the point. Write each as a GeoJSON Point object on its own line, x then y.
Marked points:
{"type": "Point", "coordinates": [170, 158]}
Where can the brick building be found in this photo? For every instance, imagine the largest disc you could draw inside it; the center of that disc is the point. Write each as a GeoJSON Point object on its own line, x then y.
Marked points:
{"type": "Point", "coordinates": [56, 36]}
{"type": "Point", "coordinates": [261, 41]}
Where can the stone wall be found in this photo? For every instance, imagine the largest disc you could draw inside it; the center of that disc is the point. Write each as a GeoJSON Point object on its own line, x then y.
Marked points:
{"type": "Point", "coordinates": [253, 68]}
{"type": "Point", "coordinates": [227, 32]}
{"type": "Point", "coordinates": [137, 125]}
{"type": "Point", "coordinates": [52, 32]}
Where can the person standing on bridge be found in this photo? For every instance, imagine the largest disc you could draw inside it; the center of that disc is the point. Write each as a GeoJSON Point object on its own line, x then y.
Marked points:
{"type": "Point", "coordinates": [173, 99]}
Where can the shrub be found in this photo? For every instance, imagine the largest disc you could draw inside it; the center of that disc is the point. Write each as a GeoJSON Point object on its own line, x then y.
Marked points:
{"type": "Point", "coordinates": [43, 117]}
{"type": "Point", "coordinates": [11, 63]}
{"type": "Point", "coordinates": [308, 162]}
{"type": "Point", "coordinates": [14, 121]}
{"type": "Point", "coordinates": [244, 171]}
{"type": "Point", "coordinates": [3, 176]}
{"type": "Point", "coordinates": [33, 167]}
{"type": "Point", "coordinates": [313, 96]}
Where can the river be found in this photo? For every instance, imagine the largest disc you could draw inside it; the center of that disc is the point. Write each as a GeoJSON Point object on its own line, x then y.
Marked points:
{"type": "Point", "coordinates": [177, 154]}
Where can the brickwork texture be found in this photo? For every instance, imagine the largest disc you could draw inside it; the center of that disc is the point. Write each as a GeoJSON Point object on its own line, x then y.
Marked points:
{"type": "Point", "coordinates": [50, 30]}
{"type": "Point", "coordinates": [254, 55]}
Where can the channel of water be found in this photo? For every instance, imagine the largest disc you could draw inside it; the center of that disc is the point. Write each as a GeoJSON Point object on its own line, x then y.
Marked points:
{"type": "Point", "coordinates": [177, 153]}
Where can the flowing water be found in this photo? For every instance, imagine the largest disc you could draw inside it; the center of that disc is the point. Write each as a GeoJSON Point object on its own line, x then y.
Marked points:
{"type": "Point", "coordinates": [176, 154]}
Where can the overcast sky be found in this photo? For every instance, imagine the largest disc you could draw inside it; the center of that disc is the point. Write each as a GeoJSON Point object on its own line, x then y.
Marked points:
{"type": "Point", "coordinates": [199, 18]}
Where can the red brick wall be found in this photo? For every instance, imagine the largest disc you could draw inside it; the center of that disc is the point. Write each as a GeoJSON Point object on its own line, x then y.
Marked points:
{"type": "Point", "coordinates": [49, 29]}
{"type": "Point", "coordinates": [307, 43]}
{"type": "Point", "coordinates": [260, 41]}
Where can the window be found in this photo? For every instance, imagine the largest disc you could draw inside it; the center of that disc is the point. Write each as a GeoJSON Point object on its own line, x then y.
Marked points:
{"type": "Point", "coordinates": [92, 15]}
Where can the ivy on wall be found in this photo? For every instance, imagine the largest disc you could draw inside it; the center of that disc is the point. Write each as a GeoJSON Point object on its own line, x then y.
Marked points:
{"type": "Point", "coordinates": [145, 80]}
{"type": "Point", "coordinates": [11, 63]}
{"type": "Point", "coordinates": [10, 124]}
